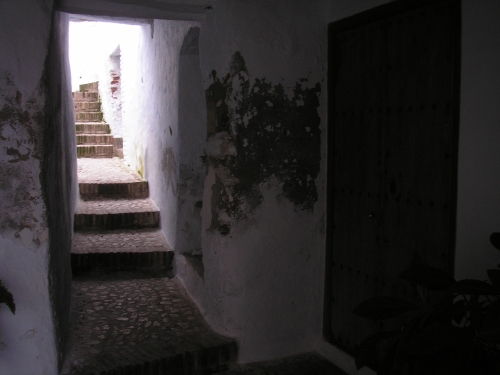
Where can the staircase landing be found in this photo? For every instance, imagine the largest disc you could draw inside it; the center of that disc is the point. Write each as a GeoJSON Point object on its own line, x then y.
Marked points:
{"type": "Point", "coordinates": [126, 324]}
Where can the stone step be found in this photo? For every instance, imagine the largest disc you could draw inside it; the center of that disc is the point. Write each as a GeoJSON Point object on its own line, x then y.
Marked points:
{"type": "Point", "coordinates": [301, 364]}
{"type": "Point", "coordinates": [87, 106]}
{"type": "Point", "coordinates": [98, 191]}
{"type": "Point", "coordinates": [93, 87]}
{"type": "Point", "coordinates": [88, 116]}
{"type": "Point", "coordinates": [121, 250]}
{"type": "Point", "coordinates": [94, 139]}
{"type": "Point", "coordinates": [136, 325]}
{"type": "Point", "coordinates": [94, 151]}
{"type": "Point", "coordinates": [85, 96]}
{"type": "Point", "coordinates": [92, 128]}
{"type": "Point", "coordinates": [116, 214]}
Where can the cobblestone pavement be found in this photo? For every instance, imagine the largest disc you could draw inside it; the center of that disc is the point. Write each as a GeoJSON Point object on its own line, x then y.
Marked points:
{"type": "Point", "coordinates": [116, 206]}
{"type": "Point", "coordinates": [126, 240]}
{"type": "Point", "coordinates": [128, 320]}
{"type": "Point", "coordinates": [112, 170]}
{"type": "Point", "coordinates": [304, 364]}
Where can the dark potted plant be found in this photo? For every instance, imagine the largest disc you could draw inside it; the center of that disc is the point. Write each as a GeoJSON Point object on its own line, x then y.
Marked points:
{"type": "Point", "coordinates": [6, 297]}
{"type": "Point", "coordinates": [458, 334]}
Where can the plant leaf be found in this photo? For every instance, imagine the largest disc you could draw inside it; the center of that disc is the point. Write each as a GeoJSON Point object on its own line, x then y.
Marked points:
{"type": "Point", "coordinates": [437, 338]}
{"type": "Point", "coordinates": [431, 277]}
{"type": "Point", "coordinates": [368, 353]}
{"type": "Point", "coordinates": [492, 311]}
{"type": "Point", "coordinates": [379, 308]}
{"type": "Point", "coordinates": [474, 287]}
{"type": "Point", "coordinates": [490, 331]}
{"type": "Point", "coordinates": [495, 239]}
{"type": "Point", "coordinates": [494, 276]}
{"type": "Point", "coordinates": [7, 298]}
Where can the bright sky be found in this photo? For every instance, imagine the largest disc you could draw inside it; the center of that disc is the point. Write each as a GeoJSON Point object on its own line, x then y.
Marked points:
{"type": "Point", "coordinates": [89, 44]}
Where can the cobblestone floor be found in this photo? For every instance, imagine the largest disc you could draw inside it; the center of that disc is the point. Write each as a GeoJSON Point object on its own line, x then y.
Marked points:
{"type": "Point", "coordinates": [116, 206]}
{"type": "Point", "coordinates": [111, 170]}
{"type": "Point", "coordinates": [127, 240]}
{"type": "Point", "coordinates": [127, 319]}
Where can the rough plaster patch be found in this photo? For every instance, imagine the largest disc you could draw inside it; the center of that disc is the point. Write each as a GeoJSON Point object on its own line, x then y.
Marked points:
{"type": "Point", "coordinates": [21, 200]}
{"type": "Point", "coordinates": [169, 167]}
{"type": "Point", "coordinates": [258, 131]}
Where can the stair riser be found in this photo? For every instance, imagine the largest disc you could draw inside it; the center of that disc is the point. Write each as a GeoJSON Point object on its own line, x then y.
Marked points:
{"type": "Point", "coordinates": [204, 361]}
{"type": "Point", "coordinates": [88, 116]}
{"type": "Point", "coordinates": [84, 151]}
{"type": "Point", "coordinates": [104, 262]}
{"type": "Point", "coordinates": [93, 129]}
{"type": "Point", "coordinates": [85, 97]}
{"type": "Point", "coordinates": [93, 139]}
{"type": "Point", "coordinates": [87, 107]}
{"type": "Point", "coordinates": [94, 86]}
{"type": "Point", "coordinates": [117, 221]}
{"type": "Point", "coordinates": [129, 190]}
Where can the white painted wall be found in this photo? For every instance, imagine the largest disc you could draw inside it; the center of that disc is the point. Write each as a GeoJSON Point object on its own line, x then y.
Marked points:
{"type": "Point", "coordinates": [263, 283]}
{"type": "Point", "coordinates": [478, 203]}
{"type": "Point", "coordinates": [150, 75]}
{"type": "Point", "coordinates": [28, 345]}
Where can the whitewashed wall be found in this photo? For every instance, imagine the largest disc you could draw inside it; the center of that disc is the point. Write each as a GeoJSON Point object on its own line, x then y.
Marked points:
{"type": "Point", "coordinates": [150, 75]}
{"type": "Point", "coordinates": [264, 280]}
{"type": "Point", "coordinates": [27, 342]}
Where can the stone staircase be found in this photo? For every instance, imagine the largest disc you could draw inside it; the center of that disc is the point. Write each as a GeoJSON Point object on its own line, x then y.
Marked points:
{"type": "Point", "coordinates": [93, 136]}
{"type": "Point", "coordinates": [130, 315]}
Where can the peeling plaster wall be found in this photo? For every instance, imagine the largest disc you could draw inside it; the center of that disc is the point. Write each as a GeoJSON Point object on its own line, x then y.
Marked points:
{"type": "Point", "coordinates": [110, 92]}
{"type": "Point", "coordinates": [28, 341]}
{"type": "Point", "coordinates": [150, 76]}
{"type": "Point", "coordinates": [263, 65]}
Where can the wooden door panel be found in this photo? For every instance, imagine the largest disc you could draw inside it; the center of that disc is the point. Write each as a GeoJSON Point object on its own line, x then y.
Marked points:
{"type": "Point", "coordinates": [393, 166]}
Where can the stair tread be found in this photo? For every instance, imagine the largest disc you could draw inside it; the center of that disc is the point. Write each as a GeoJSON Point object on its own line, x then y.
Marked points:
{"type": "Point", "coordinates": [124, 240]}
{"type": "Point", "coordinates": [105, 171]}
{"type": "Point", "coordinates": [140, 322]}
{"type": "Point", "coordinates": [115, 206]}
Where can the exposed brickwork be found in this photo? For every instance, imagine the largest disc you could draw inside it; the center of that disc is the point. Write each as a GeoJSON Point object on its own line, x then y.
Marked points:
{"type": "Point", "coordinates": [94, 151]}
{"type": "Point", "coordinates": [92, 128]}
{"type": "Point", "coordinates": [87, 106]}
{"type": "Point", "coordinates": [85, 96]}
{"type": "Point", "coordinates": [144, 249]}
{"type": "Point", "coordinates": [94, 139]}
{"type": "Point", "coordinates": [88, 116]}
{"type": "Point", "coordinates": [304, 364]}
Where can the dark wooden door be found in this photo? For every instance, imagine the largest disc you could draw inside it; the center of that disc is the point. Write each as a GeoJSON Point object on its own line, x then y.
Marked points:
{"type": "Point", "coordinates": [393, 109]}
